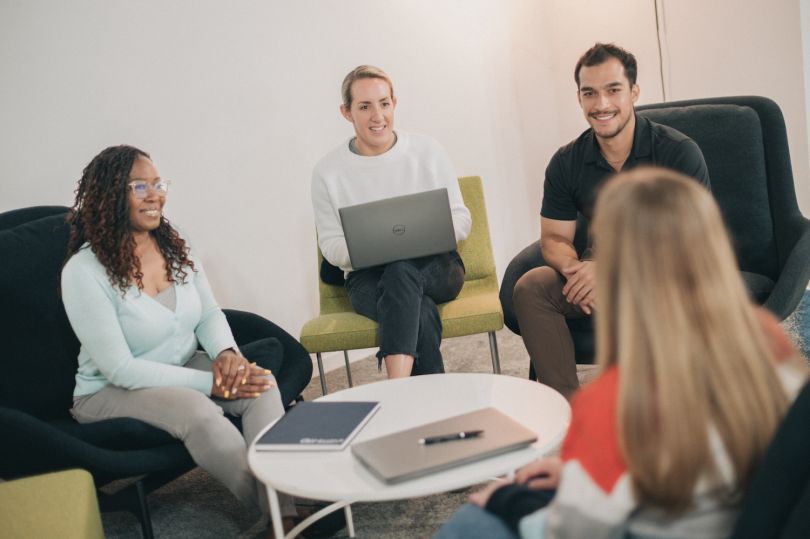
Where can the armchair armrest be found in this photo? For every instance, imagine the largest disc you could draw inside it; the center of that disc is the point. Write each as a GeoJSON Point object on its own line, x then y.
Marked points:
{"type": "Point", "coordinates": [31, 445]}
{"type": "Point", "coordinates": [792, 282]}
{"type": "Point", "coordinates": [530, 257]}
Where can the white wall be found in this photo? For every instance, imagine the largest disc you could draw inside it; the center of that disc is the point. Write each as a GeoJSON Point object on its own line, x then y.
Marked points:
{"type": "Point", "coordinates": [750, 47]}
{"type": "Point", "coordinates": [578, 24]}
{"type": "Point", "coordinates": [237, 101]}
{"type": "Point", "coordinates": [804, 9]}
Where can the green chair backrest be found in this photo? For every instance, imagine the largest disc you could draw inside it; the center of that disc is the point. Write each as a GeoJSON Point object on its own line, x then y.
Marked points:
{"type": "Point", "coordinates": [333, 298]}
{"type": "Point", "coordinates": [475, 251]}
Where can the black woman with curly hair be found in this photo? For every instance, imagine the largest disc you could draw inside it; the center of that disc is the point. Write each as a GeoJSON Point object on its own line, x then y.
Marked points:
{"type": "Point", "coordinates": [140, 304]}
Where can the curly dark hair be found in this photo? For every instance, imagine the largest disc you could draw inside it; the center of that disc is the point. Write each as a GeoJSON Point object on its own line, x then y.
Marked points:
{"type": "Point", "coordinates": [100, 217]}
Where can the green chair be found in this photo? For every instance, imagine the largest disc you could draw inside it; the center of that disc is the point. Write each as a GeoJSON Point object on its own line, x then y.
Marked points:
{"type": "Point", "coordinates": [475, 310]}
{"type": "Point", "coordinates": [60, 504]}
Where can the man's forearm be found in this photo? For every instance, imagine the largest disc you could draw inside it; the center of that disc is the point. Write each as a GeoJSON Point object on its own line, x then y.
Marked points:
{"type": "Point", "coordinates": [558, 253]}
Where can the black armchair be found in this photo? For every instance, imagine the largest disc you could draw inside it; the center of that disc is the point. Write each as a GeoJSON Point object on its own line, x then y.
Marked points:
{"type": "Point", "coordinates": [39, 365]}
{"type": "Point", "coordinates": [777, 504]}
{"type": "Point", "coordinates": [745, 145]}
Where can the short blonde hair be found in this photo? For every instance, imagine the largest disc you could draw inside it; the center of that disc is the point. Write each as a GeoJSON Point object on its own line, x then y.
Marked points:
{"type": "Point", "coordinates": [674, 314]}
{"type": "Point", "coordinates": [362, 72]}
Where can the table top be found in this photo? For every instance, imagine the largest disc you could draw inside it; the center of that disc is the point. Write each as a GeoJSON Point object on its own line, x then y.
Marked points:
{"type": "Point", "coordinates": [407, 403]}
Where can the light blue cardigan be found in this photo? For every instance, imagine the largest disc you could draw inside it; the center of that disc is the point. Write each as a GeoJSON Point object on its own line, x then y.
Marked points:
{"type": "Point", "coordinates": [134, 342]}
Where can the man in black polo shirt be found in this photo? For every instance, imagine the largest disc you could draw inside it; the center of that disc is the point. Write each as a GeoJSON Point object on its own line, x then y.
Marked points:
{"type": "Point", "coordinates": [617, 140]}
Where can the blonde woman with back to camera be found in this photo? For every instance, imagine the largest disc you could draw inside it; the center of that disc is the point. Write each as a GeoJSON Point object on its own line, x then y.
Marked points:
{"type": "Point", "coordinates": [694, 382]}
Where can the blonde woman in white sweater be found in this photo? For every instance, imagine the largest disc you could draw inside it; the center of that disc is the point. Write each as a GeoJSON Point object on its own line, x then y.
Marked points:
{"type": "Point", "coordinates": [379, 163]}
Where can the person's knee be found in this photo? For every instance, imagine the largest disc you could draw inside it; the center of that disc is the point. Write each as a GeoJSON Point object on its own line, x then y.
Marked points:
{"type": "Point", "coordinates": [270, 397]}
{"type": "Point", "coordinates": [199, 409]}
{"type": "Point", "coordinates": [401, 273]}
{"type": "Point", "coordinates": [473, 522]}
{"type": "Point", "coordinates": [537, 283]}
{"type": "Point", "coordinates": [456, 277]}
{"type": "Point", "coordinates": [184, 409]}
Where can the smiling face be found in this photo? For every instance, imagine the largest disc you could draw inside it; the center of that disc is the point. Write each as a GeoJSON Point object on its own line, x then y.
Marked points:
{"type": "Point", "coordinates": [144, 213]}
{"type": "Point", "coordinates": [372, 115]}
{"type": "Point", "coordinates": [607, 98]}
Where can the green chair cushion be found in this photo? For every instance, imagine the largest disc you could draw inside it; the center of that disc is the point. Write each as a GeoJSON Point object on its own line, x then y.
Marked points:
{"type": "Point", "coordinates": [61, 504]}
{"type": "Point", "coordinates": [339, 331]}
{"type": "Point", "coordinates": [479, 313]}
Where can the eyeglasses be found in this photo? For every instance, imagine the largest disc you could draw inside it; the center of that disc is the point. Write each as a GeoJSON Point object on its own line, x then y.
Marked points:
{"type": "Point", "coordinates": [140, 188]}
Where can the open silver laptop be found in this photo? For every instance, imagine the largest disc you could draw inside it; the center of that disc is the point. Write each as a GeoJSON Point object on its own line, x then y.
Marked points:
{"type": "Point", "coordinates": [400, 456]}
{"type": "Point", "coordinates": [398, 228]}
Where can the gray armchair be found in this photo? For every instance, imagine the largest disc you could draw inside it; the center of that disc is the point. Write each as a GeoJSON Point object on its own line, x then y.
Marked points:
{"type": "Point", "coordinates": [745, 145]}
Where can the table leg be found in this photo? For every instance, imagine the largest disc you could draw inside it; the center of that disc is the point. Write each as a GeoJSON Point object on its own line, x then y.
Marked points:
{"type": "Point", "coordinates": [275, 512]}
{"type": "Point", "coordinates": [349, 520]}
{"type": "Point", "coordinates": [331, 508]}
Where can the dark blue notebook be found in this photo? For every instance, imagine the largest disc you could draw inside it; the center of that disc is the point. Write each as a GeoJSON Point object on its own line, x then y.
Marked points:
{"type": "Point", "coordinates": [317, 426]}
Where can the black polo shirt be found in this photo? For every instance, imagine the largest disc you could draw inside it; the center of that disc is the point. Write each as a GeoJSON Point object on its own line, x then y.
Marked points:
{"type": "Point", "coordinates": [578, 169]}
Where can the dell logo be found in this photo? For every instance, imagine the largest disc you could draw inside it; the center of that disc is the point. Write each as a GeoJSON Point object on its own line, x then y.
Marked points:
{"type": "Point", "coordinates": [398, 230]}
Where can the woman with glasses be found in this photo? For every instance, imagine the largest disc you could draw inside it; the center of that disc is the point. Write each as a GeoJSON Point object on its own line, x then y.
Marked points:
{"type": "Point", "coordinates": [694, 382]}
{"type": "Point", "coordinates": [139, 302]}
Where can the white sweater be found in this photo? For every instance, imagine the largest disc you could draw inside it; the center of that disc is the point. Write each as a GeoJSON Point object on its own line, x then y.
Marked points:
{"type": "Point", "coordinates": [414, 164]}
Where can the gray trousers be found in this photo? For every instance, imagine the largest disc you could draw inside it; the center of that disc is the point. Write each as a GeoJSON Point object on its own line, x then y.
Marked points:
{"type": "Point", "coordinates": [214, 443]}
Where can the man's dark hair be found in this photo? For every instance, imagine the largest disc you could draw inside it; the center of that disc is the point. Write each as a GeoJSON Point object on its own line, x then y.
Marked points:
{"type": "Point", "coordinates": [601, 53]}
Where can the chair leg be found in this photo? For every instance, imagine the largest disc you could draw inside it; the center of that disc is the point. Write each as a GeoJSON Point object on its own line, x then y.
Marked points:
{"type": "Point", "coordinates": [321, 374]}
{"type": "Point", "coordinates": [348, 367]}
{"type": "Point", "coordinates": [144, 517]}
{"type": "Point", "coordinates": [131, 498]}
{"type": "Point", "coordinates": [493, 350]}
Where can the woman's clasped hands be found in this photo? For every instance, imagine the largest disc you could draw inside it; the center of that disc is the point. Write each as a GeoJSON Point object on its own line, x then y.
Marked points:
{"type": "Point", "coordinates": [542, 474]}
{"type": "Point", "coordinates": [237, 378]}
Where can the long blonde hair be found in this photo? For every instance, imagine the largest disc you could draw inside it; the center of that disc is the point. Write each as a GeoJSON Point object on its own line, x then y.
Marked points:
{"type": "Point", "coordinates": [674, 313]}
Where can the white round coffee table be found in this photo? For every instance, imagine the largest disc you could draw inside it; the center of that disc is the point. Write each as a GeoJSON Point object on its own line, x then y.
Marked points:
{"type": "Point", "coordinates": [405, 403]}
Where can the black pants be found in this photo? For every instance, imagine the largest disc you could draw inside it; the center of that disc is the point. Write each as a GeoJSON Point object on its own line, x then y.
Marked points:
{"type": "Point", "coordinates": [402, 297]}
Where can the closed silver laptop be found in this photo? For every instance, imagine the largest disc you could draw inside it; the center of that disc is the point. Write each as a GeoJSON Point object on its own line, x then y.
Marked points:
{"type": "Point", "coordinates": [400, 456]}
{"type": "Point", "coordinates": [398, 228]}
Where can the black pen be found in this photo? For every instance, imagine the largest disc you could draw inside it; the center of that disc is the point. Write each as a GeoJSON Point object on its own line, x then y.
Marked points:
{"type": "Point", "coordinates": [463, 435]}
